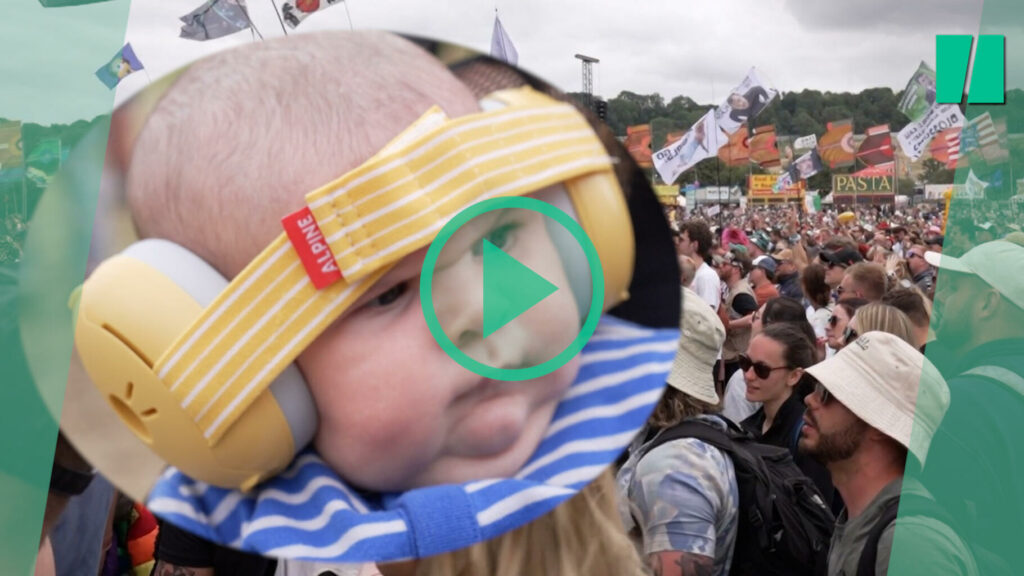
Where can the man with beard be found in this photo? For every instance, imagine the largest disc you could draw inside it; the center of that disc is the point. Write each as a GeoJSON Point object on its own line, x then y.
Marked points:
{"type": "Point", "coordinates": [978, 459]}
{"type": "Point", "coordinates": [867, 399]}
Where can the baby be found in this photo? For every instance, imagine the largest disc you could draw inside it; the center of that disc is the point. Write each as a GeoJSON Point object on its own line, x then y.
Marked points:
{"type": "Point", "coordinates": [235, 145]}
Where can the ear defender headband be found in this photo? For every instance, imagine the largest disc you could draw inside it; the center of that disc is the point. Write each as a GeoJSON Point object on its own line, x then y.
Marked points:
{"type": "Point", "coordinates": [201, 369]}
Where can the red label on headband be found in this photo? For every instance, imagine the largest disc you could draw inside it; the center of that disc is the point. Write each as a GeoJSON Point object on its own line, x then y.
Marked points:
{"type": "Point", "coordinates": [309, 242]}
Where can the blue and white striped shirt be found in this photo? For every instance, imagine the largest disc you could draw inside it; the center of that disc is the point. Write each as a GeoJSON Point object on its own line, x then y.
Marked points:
{"type": "Point", "coordinates": [307, 512]}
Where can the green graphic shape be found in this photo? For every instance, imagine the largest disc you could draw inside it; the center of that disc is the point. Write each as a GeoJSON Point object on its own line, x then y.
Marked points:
{"type": "Point", "coordinates": [50, 87]}
{"type": "Point", "coordinates": [510, 288]}
{"type": "Point", "coordinates": [529, 372]}
{"type": "Point", "coordinates": [988, 76]}
{"type": "Point", "coordinates": [952, 57]}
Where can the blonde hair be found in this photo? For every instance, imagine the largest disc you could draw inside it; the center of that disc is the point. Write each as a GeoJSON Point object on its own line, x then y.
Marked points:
{"type": "Point", "coordinates": [583, 536]}
{"type": "Point", "coordinates": [676, 406]}
{"type": "Point", "coordinates": [885, 318]}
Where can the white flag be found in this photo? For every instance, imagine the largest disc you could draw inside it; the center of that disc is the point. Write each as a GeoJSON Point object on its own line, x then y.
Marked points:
{"type": "Point", "coordinates": [975, 187]}
{"type": "Point", "coordinates": [744, 102]}
{"type": "Point", "coordinates": [916, 136]}
{"type": "Point", "coordinates": [806, 142]}
{"type": "Point", "coordinates": [702, 141]}
{"type": "Point", "coordinates": [501, 45]}
{"type": "Point", "coordinates": [295, 11]}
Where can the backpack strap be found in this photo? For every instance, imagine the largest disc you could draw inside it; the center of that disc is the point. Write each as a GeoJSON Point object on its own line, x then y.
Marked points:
{"type": "Point", "coordinates": [698, 430]}
{"type": "Point", "coordinates": [999, 374]}
{"type": "Point", "coordinates": [869, 554]}
{"type": "Point", "coordinates": [912, 505]}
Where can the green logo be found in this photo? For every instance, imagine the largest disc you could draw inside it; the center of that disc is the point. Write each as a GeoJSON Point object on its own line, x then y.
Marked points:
{"type": "Point", "coordinates": [510, 288]}
{"type": "Point", "coordinates": [988, 75]}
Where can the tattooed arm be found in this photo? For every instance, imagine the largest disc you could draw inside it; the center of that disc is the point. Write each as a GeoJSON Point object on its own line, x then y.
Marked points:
{"type": "Point", "coordinates": [673, 563]}
{"type": "Point", "coordinates": [167, 569]}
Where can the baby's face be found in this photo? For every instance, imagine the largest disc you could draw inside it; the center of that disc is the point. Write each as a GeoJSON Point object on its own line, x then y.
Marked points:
{"type": "Point", "coordinates": [396, 412]}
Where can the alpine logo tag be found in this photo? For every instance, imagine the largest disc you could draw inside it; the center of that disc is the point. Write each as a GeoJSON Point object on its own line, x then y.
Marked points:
{"type": "Point", "coordinates": [311, 246]}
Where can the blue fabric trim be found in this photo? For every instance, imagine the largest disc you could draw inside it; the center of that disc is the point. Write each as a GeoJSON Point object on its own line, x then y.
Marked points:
{"type": "Point", "coordinates": [307, 512]}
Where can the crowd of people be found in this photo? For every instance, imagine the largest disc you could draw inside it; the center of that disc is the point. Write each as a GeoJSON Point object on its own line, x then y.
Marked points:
{"type": "Point", "coordinates": [812, 335]}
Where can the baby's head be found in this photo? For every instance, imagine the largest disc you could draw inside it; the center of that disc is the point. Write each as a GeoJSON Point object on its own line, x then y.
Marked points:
{"type": "Point", "coordinates": [238, 142]}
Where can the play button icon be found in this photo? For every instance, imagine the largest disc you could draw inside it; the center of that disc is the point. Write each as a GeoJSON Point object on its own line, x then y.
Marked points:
{"type": "Point", "coordinates": [512, 288]}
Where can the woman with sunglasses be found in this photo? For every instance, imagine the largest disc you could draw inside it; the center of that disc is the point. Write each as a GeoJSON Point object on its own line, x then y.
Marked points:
{"type": "Point", "coordinates": [835, 329]}
{"type": "Point", "coordinates": [773, 369]}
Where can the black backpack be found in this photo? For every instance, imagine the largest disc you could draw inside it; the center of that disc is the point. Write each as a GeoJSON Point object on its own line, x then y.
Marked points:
{"type": "Point", "coordinates": [785, 528]}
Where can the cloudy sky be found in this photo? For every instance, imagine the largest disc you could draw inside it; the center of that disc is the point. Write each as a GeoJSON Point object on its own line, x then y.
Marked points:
{"type": "Point", "coordinates": [699, 48]}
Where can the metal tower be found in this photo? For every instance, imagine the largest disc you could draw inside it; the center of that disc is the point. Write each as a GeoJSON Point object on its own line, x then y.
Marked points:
{"type": "Point", "coordinates": [588, 77]}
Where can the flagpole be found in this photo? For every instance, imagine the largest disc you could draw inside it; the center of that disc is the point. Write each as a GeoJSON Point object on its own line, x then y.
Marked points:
{"type": "Point", "coordinates": [349, 16]}
{"type": "Point", "coordinates": [279, 19]}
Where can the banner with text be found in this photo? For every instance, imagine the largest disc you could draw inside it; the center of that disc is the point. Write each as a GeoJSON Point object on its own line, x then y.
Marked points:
{"type": "Point", "coordinates": [916, 136]}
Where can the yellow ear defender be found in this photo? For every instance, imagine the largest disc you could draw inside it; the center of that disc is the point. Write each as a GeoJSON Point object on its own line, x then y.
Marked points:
{"type": "Point", "coordinates": [201, 369]}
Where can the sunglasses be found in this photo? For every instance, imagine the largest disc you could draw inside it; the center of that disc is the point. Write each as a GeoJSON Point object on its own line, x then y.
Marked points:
{"type": "Point", "coordinates": [833, 320]}
{"type": "Point", "coordinates": [761, 370]}
{"type": "Point", "coordinates": [849, 335]}
{"type": "Point", "coordinates": [823, 394]}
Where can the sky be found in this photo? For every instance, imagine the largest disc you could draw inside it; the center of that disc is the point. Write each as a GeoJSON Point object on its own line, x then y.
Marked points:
{"type": "Point", "coordinates": [697, 48]}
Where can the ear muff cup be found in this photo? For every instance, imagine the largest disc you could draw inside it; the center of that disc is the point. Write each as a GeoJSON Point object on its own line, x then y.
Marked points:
{"type": "Point", "coordinates": [130, 311]}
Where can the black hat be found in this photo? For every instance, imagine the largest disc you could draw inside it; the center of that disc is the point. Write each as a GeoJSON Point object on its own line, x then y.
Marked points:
{"type": "Point", "coordinates": [844, 257]}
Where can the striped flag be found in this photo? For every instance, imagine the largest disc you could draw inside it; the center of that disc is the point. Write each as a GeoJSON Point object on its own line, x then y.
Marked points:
{"type": "Point", "coordinates": [945, 148]}
{"type": "Point", "coordinates": [986, 136]}
{"type": "Point", "coordinates": [501, 45]}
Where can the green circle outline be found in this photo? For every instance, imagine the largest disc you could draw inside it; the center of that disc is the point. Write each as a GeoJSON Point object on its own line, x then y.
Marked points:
{"type": "Point", "coordinates": [596, 300]}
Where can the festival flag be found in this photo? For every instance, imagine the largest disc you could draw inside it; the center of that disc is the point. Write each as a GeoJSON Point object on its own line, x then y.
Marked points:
{"type": "Point", "coordinates": [945, 148]}
{"type": "Point", "coordinates": [501, 45]}
{"type": "Point", "coordinates": [11, 154]}
{"type": "Point", "coordinates": [121, 65]}
{"type": "Point", "coordinates": [987, 136]}
{"type": "Point", "coordinates": [919, 95]}
{"type": "Point", "coordinates": [214, 19]}
{"type": "Point", "coordinates": [762, 147]}
{"type": "Point", "coordinates": [673, 137]}
{"type": "Point", "coordinates": [916, 136]}
{"type": "Point", "coordinates": [702, 141]}
{"type": "Point", "coordinates": [876, 149]}
{"type": "Point", "coordinates": [784, 181]}
{"type": "Point", "coordinates": [812, 202]}
{"type": "Point", "coordinates": [836, 146]}
{"type": "Point", "coordinates": [295, 11]}
{"type": "Point", "coordinates": [638, 142]}
{"type": "Point", "coordinates": [806, 166]}
{"type": "Point", "coordinates": [974, 186]}
{"type": "Point", "coordinates": [736, 152]}
{"type": "Point", "coordinates": [744, 103]}
{"type": "Point", "coordinates": [805, 142]}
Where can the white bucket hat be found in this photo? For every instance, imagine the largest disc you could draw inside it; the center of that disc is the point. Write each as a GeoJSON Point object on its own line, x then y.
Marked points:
{"type": "Point", "coordinates": [890, 385]}
{"type": "Point", "coordinates": [693, 370]}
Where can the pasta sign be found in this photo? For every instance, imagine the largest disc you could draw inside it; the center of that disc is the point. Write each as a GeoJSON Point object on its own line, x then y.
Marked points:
{"type": "Point", "coordinates": [846, 184]}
